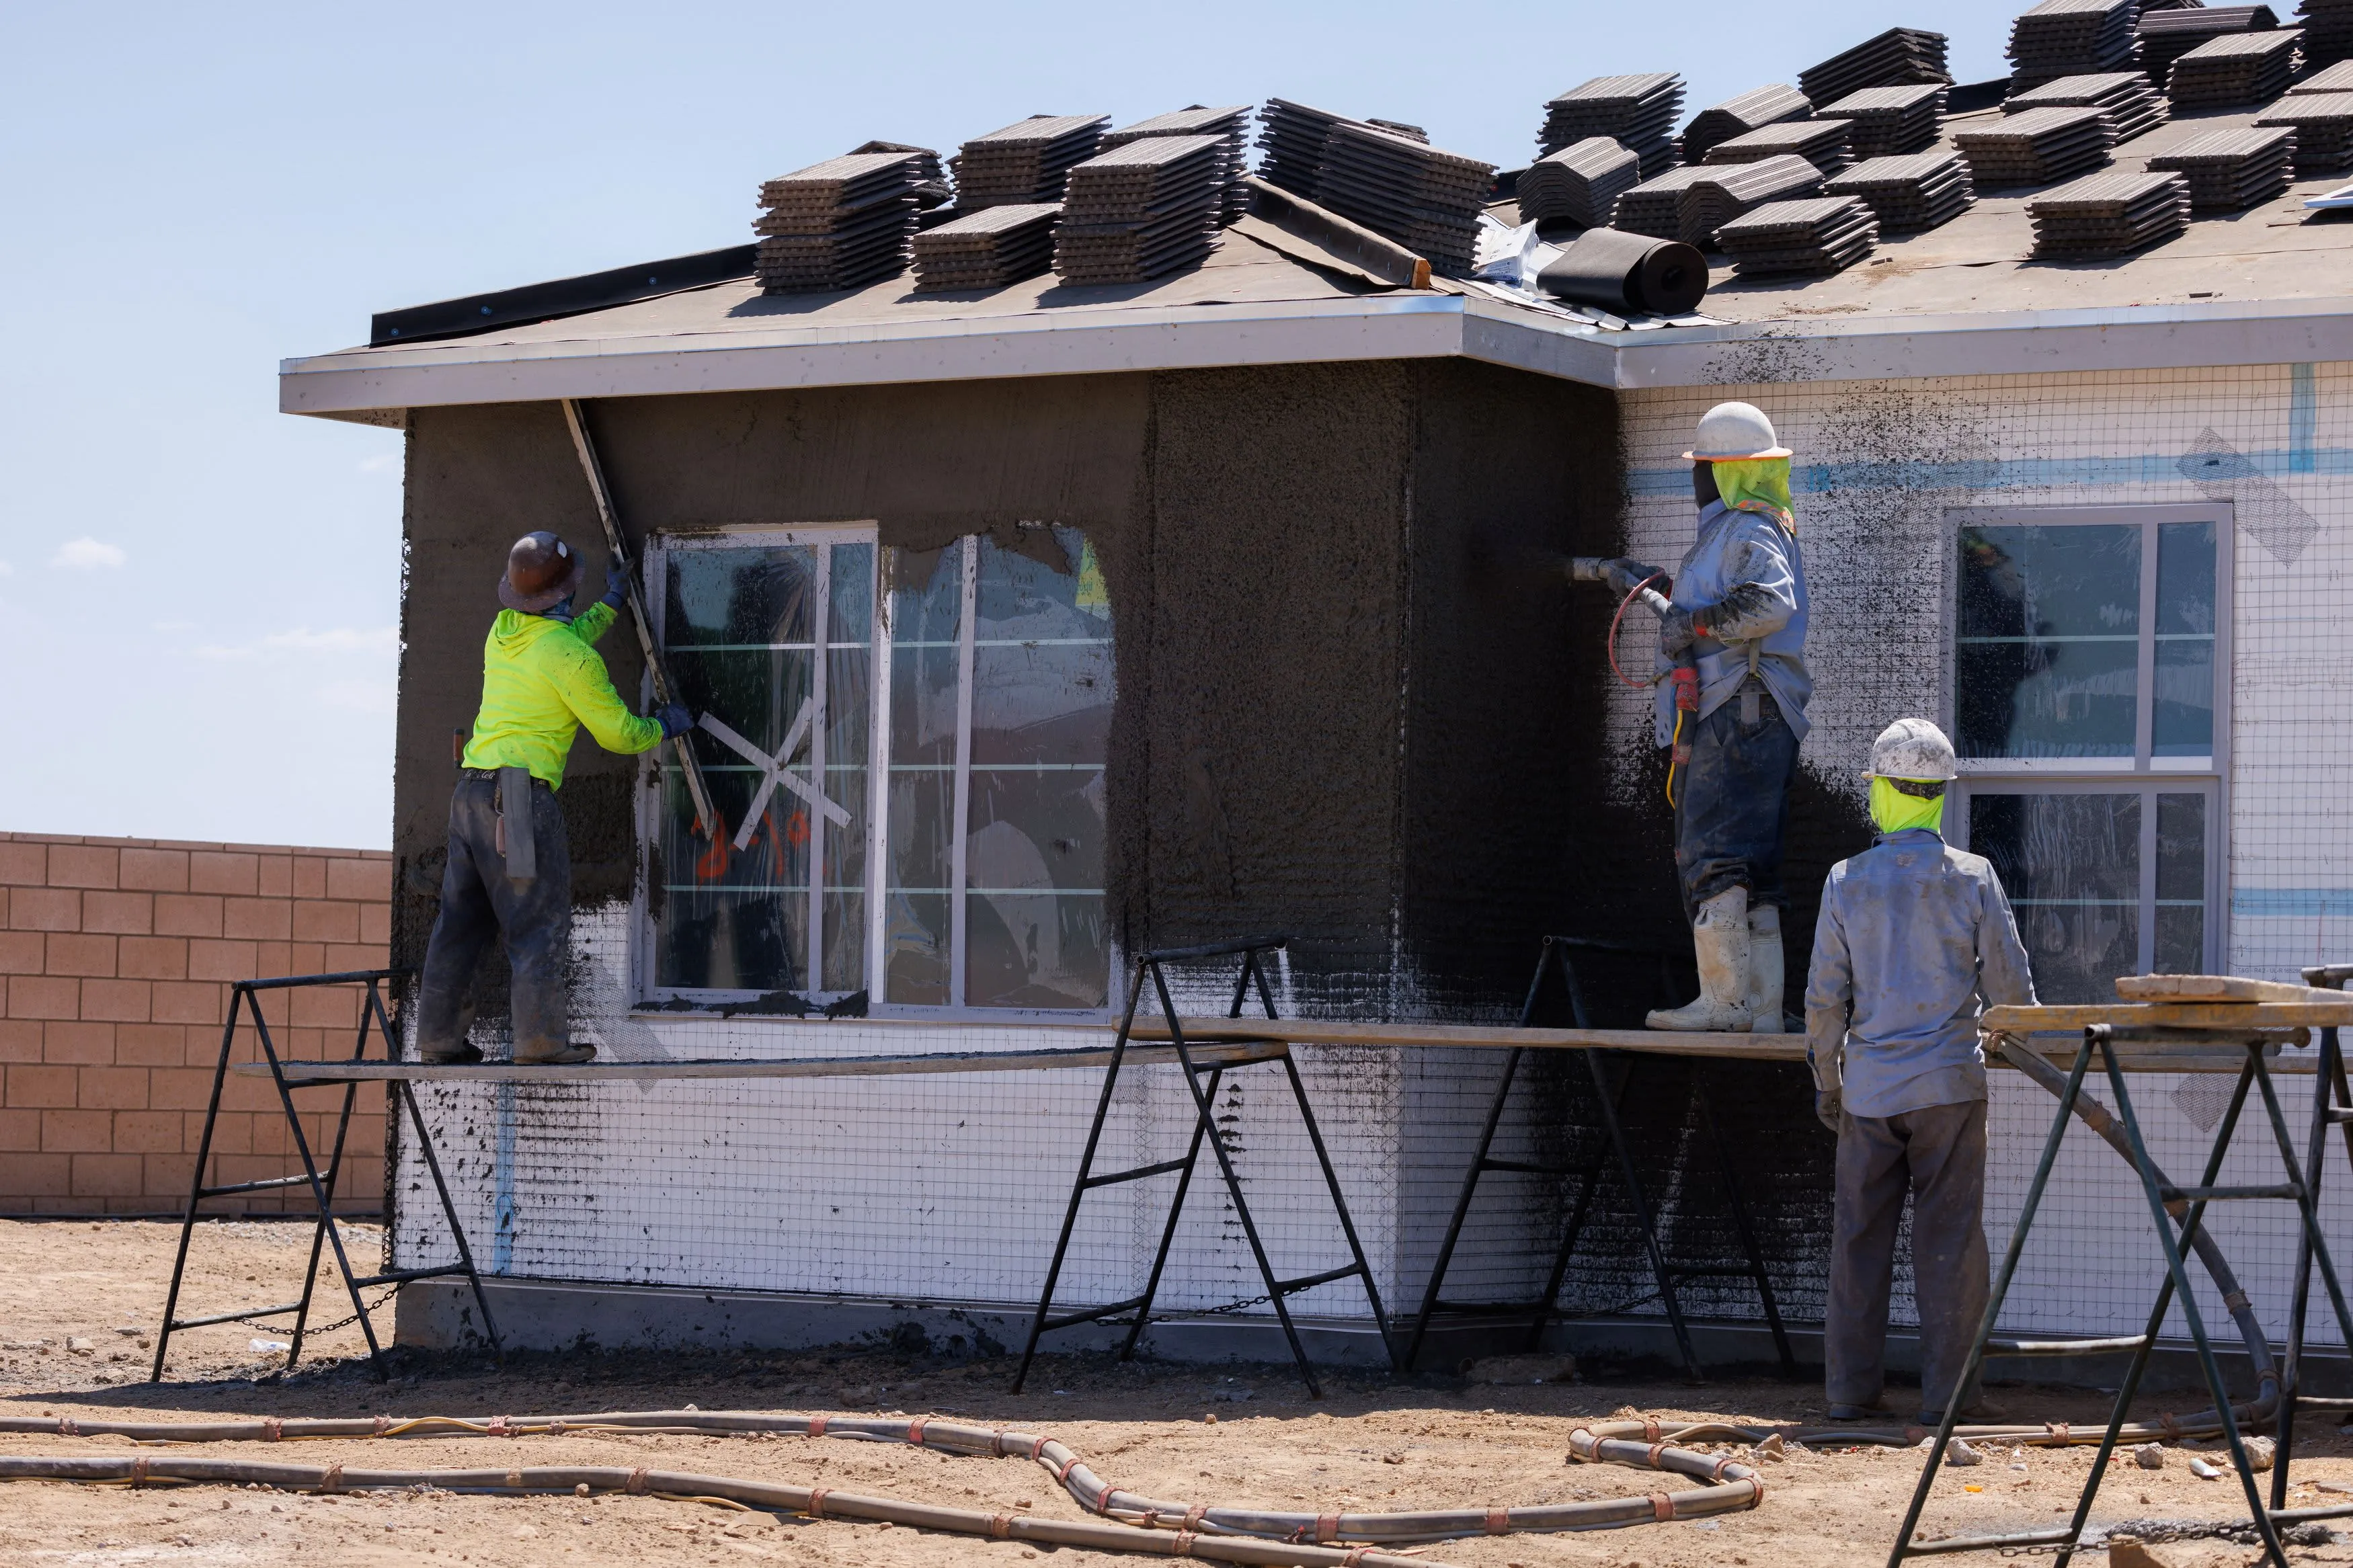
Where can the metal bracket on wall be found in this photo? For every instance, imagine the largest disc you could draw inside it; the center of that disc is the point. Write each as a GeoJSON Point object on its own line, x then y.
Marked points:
{"type": "Point", "coordinates": [374, 1022]}
{"type": "Point", "coordinates": [1203, 1078]}
{"type": "Point", "coordinates": [1612, 1074]}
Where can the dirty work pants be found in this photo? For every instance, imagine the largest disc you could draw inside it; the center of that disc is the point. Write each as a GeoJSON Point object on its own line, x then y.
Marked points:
{"type": "Point", "coordinates": [1732, 803]}
{"type": "Point", "coordinates": [480, 904]}
{"type": "Point", "coordinates": [1939, 1152]}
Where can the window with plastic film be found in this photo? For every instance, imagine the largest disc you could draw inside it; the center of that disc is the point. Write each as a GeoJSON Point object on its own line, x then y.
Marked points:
{"type": "Point", "coordinates": [906, 749]}
{"type": "Point", "coordinates": [999, 728]}
{"type": "Point", "coordinates": [771, 639]}
{"type": "Point", "coordinates": [2089, 710]}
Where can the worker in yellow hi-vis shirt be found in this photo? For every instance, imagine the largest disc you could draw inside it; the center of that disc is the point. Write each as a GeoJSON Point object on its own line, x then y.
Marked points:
{"type": "Point", "coordinates": [510, 871]}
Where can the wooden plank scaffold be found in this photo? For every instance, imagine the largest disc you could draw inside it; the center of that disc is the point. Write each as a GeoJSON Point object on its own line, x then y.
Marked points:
{"type": "Point", "coordinates": [2169, 1013]}
{"type": "Point", "coordinates": [1611, 1075]}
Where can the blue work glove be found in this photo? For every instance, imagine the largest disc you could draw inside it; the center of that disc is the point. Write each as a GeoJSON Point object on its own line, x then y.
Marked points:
{"type": "Point", "coordinates": [1828, 1105]}
{"type": "Point", "coordinates": [1677, 633]}
{"type": "Point", "coordinates": [617, 584]}
{"type": "Point", "coordinates": [674, 719]}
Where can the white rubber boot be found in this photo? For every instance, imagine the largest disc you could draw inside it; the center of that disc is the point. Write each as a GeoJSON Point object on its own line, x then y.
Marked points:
{"type": "Point", "coordinates": [1721, 937]}
{"type": "Point", "coordinates": [1766, 975]}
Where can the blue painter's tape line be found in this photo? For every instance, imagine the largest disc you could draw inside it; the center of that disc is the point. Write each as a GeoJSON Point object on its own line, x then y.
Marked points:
{"type": "Point", "coordinates": [2291, 903]}
{"type": "Point", "coordinates": [503, 1203]}
{"type": "Point", "coordinates": [2013, 473]}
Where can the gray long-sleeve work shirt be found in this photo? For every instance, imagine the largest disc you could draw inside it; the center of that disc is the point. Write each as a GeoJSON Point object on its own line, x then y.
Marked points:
{"type": "Point", "coordinates": [1911, 933]}
{"type": "Point", "coordinates": [1752, 576]}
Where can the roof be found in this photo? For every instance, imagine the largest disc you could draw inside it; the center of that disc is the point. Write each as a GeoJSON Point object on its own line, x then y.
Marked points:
{"type": "Point", "coordinates": [2268, 286]}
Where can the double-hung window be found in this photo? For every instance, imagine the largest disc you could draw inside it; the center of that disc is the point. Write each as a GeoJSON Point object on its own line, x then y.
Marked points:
{"type": "Point", "coordinates": [907, 752]}
{"type": "Point", "coordinates": [2090, 713]}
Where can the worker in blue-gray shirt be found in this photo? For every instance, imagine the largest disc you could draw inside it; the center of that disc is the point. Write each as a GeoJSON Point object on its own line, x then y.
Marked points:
{"type": "Point", "coordinates": [1737, 635]}
{"type": "Point", "coordinates": [1915, 937]}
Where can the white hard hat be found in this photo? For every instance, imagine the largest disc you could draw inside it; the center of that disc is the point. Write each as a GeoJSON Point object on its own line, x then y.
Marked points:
{"type": "Point", "coordinates": [1911, 749]}
{"type": "Point", "coordinates": [1730, 431]}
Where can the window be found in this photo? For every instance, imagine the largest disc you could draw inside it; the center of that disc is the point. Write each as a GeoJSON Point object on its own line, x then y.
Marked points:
{"type": "Point", "coordinates": [2090, 687]}
{"type": "Point", "coordinates": [916, 818]}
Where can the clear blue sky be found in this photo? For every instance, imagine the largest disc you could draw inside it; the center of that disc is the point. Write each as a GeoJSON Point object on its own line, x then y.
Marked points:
{"type": "Point", "coordinates": [199, 596]}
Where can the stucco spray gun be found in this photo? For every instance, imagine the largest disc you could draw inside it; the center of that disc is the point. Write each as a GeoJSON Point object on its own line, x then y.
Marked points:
{"type": "Point", "coordinates": [1636, 581]}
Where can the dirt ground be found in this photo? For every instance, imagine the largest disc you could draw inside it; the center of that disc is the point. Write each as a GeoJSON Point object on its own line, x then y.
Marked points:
{"type": "Point", "coordinates": [78, 1303]}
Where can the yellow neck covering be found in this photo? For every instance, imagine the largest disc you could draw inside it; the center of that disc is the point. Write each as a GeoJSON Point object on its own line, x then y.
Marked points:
{"type": "Point", "coordinates": [1760, 485]}
{"type": "Point", "coordinates": [1894, 811]}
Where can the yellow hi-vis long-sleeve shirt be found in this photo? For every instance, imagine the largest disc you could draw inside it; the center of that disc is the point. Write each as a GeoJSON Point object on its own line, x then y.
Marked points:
{"type": "Point", "coordinates": [541, 680]}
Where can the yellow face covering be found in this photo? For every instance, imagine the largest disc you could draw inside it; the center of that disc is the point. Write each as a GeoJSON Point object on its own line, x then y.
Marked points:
{"type": "Point", "coordinates": [1894, 811]}
{"type": "Point", "coordinates": [1760, 485]}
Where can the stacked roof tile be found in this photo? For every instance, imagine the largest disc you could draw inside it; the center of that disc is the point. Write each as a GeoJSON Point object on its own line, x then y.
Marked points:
{"type": "Point", "coordinates": [1821, 142]}
{"type": "Point", "coordinates": [2327, 30]}
{"type": "Point", "coordinates": [841, 224]}
{"type": "Point", "coordinates": [2231, 171]}
{"type": "Point", "coordinates": [1291, 138]}
{"type": "Point", "coordinates": [2166, 35]}
{"type": "Point", "coordinates": [1655, 207]}
{"type": "Point", "coordinates": [1752, 110]}
{"type": "Point", "coordinates": [987, 250]}
{"type": "Point", "coordinates": [2130, 101]}
{"type": "Point", "coordinates": [1636, 111]}
{"type": "Point", "coordinates": [1821, 234]}
{"type": "Point", "coordinates": [1230, 125]}
{"type": "Point", "coordinates": [2233, 70]}
{"type": "Point", "coordinates": [2338, 77]}
{"type": "Point", "coordinates": [1580, 182]}
{"type": "Point", "coordinates": [2108, 214]}
{"type": "Point", "coordinates": [1899, 57]}
{"type": "Point", "coordinates": [2070, 38]}
{"type": "Point", "coordinates": [1725, 190]}
{"type": "Point", "coordinates": [1426, 199]}
{"type": "Point", "coordinates": [1026, 161]}
{"type": "Point", "coordinates": [1890, 119]}
{"type": "Point", "coordinates": [1911, 193]}
{"type": "Point", "coordinates": [1140, 210]}
{"type": "Point", "coordinates": [2323, 124]}
{"type": "Point", "coordinates": [2038, 147]}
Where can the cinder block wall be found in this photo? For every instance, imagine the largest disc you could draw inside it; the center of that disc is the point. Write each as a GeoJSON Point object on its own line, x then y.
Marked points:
{"type": "Point", "coordinates": [115, 955]}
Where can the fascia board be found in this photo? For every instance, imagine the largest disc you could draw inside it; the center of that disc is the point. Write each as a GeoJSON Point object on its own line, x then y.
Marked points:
{"type": "Point", "coordinates": [868, 354]}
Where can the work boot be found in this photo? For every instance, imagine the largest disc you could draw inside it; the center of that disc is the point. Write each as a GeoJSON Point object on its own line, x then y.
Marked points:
{"type": "Point", "coordinates": [1766, 976]}
{"type": "Point", "coordinates": [1720, 935]}
{"type": "Point", "coordinates": [552, 1054]}
{"type": "Point", "coordinates": [450, 1056]}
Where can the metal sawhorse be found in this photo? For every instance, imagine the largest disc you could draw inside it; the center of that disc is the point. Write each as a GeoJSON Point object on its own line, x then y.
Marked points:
{"type": "Point", "coordinates": [2332, 1106]}
{"type": "Point", "coordinates": [1609, 1097]}
{"type": "Point", "coordinates": [245, 996]}
{"type": "Point", "coordinates": [1205, 1129]}
{"type": "Point", "coordinates": [2099, 1040]}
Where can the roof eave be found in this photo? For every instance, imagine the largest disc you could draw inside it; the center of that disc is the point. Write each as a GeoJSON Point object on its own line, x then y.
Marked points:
{"type": "Point", "coordinates": [378, 385]}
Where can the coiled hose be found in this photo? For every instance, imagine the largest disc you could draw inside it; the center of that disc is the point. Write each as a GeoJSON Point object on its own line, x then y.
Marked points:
{"type": "Point", "coordinates": [1730, 1485]}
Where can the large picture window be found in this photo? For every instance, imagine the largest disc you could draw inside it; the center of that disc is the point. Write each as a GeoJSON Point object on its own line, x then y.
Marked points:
{"type": "Point", "coordinates": [2090, 711]}
{"type": "Point", "coordinates": [908, 750]}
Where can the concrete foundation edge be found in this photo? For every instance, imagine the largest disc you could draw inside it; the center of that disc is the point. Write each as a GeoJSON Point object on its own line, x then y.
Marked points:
{"type": "Point", "coordinates": [554, 1316]}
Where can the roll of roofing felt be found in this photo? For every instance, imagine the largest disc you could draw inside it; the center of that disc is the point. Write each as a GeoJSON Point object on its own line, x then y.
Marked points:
{"type": "Point", "coordinates": [1631, 273]}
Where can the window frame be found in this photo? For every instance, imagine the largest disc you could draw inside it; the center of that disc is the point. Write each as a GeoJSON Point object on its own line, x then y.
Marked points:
{"type": "Point", "coordinates": [659, 549]}
{"type": "Point", "coordinates": [2143, 774]}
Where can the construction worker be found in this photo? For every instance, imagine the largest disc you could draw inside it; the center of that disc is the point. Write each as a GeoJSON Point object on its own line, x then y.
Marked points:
{"type": "Point", "coordinates": [1738, 622]}
{"type": "Point", "coordinates": [1912, 933]}
{"type": "Point", "coordinates": [510, 871]}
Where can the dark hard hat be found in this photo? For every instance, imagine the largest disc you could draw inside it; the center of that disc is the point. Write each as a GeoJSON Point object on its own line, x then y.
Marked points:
{"type": "Point", "coordinates": [542, 572]}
